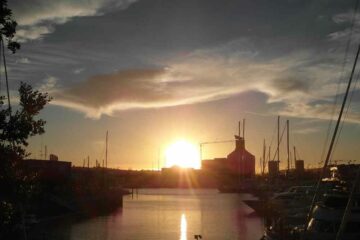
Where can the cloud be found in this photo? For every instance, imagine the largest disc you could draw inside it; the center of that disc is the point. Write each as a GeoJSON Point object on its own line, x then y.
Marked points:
{"type": "Point", "coordinates": [296, 80]}
{"type": "Point", "coordinates": [343, 17]}
{"type": "Point", "coordinates": [346, 19]}
{"type": "Point", "coordinates": [48, 85]}
{"type": "Point", "coordinates": [26, 33]}
{"type": "Point", "coordinates": [79, 70]}
{"type": "Point", "coordinates": [38, 18]}
{"type": "Point", "coordinates": [324, 111]}
{"type": "Point", "coordinates": [308, 130]}
{"type": "Point", "coordinates": [23, 60]}
{"type": "Point", "coordinates": [130, 85]}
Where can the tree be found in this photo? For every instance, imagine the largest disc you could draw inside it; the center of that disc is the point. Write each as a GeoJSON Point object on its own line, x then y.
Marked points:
{"type": "Point", "coordinates": [15, 129]}
{"type": "Point", "coordinates": [8, 26]}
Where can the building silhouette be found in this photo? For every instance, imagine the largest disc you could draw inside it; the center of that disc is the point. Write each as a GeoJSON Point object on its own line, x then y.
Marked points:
{"type": "Point", "coordinates": [239, 162]}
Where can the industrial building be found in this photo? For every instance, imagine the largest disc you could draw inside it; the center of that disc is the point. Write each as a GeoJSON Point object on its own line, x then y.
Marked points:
{"type": "Point", "coordinates": [239, 161]}
{"type": "Point", "coordinates": [47, 170]}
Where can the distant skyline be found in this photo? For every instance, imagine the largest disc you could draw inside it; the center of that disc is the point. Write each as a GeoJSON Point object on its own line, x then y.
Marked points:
{"type": "Point", "coordinates": [152, 72]}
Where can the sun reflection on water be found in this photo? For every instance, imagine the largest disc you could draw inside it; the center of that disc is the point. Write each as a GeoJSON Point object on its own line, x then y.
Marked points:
{"type": "Point", "coordinates": [183, 227]}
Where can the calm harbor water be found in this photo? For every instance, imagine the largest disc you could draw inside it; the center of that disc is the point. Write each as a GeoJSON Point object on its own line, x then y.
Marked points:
{"type": "Point", "coordinates": [169, 214]}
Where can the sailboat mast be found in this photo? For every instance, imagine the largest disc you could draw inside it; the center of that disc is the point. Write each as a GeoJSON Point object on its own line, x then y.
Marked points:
{"type": "Point", "coordinates": [260, 164]}
{"type": "Point", "coordinates": [240, 155]}
{"type": "Point", "coordinates": [288, 149]}
{"type": "Point", "coordinates": [264, 153]}
{"type": "Point", "coordinates": [106, 150]}
{"type": "Point", "coordinates": [349, 206]}
{"type": "Point", "coordinates": [158, 160]}
{"type": "Point", "coordinates": [5, 70]}
{"type": "Point", "coordinates": [278, 139]}
{"type": "Point", "coordinates": [244, 129]}
{"type": "Point", "coordinates": [326, 162]}
{"type": "Point", "coordinates": [268, 157]}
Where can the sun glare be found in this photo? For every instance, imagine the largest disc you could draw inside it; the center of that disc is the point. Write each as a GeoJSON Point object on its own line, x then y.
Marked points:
{"type": "Point", "coordinates": [183, 154]}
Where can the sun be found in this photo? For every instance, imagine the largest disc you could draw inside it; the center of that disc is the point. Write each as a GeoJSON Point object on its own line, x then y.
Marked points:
{"type": "Point", "coordinates": [183, 154]}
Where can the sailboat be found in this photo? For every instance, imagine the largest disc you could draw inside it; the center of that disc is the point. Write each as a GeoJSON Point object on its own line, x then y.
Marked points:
{"type": "Point", "coordinates": [332, 216]}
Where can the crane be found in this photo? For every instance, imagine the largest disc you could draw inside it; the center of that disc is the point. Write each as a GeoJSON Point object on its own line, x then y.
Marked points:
{"type": "Point", "coordinates": [212, 142]}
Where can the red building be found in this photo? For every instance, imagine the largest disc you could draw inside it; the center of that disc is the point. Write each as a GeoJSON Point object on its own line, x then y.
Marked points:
{"type": "Point", "coordinates": [239, 161]}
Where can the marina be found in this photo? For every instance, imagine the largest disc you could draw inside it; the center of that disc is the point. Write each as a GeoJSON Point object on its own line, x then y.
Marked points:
{"type": "Point", "coordinates": [126, 120]}
{"type": "Point", "coordinates": [166, 214]}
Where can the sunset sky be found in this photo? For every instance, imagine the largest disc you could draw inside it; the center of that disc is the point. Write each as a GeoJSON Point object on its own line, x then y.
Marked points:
{"type": "Point", "coordinates": [152, 72]}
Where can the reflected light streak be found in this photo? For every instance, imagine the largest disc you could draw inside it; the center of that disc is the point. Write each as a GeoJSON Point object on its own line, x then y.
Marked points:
{"type": "Point", "coordinates": [183, 227]}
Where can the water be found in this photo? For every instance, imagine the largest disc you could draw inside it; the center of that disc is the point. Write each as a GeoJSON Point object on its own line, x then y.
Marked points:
{"type": "Point", "coordinates": [169, 214]}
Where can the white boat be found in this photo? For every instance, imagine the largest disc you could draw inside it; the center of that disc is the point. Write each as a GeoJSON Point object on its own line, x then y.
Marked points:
{"type": "Point", "coordinates": [327, 216]}
{"type": "Point", "coordinates": [293, 200]}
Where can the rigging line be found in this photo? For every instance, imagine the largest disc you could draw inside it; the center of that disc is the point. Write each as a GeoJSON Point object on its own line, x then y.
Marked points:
{"type": "Point", "coordinates": [101, 155]}
{"type": "Point", "coordinates": [273, 136]}
{"type": "Point", "coordinates": [334, 135]}
{"type": "Point", "coordinates": [272, 140]}
{"type": "Point", "coordinates": [297, 153]}
{"type": "Point", "coordinates": [347, 48]}
{"type": "Point", "coordinates": [282, 134]}
{"type": "Point", "coordinates": [298, 143]}
{"type": "Point", "coordinates": [348, 208]}
{"type": "Point", "coordinates": [6, 75]}
{"type": "Point", "coordinates": [348, 106]}
{"type": "Point", "coordinates": [347, 109]}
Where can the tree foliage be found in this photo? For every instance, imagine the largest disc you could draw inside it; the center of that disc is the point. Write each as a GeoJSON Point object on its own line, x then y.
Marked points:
{"type": "Point", "coordinates": [8, 26]}
{"type": "Point", "coordinates": [15, 130]}
{"type": "Point", "coordinates": [17, 127]}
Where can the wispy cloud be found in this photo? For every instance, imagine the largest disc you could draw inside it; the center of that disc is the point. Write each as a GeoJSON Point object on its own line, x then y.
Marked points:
{"type": "Point", "coordinates": [48, 85]}
{"type": "Point", "coordinates": [23, 60]}
{"type": "Point", "coordinates": [324, 111]}
{"type": "Point", "coordinates": [79, 70]}
{"type": "Point", "coordinates": [308, 130]}
{"type": "Point", "coordinates": [297, 80]}
{"type": "Point", "coordinates": [39, 18]}
{"type": "Point", "coordinates": [346, 18]}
